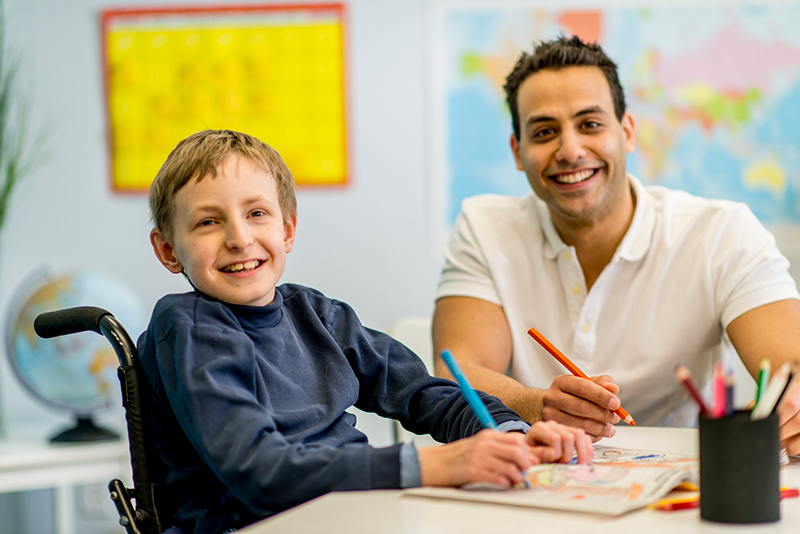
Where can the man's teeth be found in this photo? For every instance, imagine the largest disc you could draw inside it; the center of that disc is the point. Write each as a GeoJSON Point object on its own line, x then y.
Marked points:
{"type": "Point", "coordinates": [236, 267]}
{"type": "Point", "coordinates": [574, 178]}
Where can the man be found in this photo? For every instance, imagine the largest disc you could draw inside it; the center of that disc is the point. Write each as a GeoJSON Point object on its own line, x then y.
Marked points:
{"type": "Point", "coordinates": [628, 281]}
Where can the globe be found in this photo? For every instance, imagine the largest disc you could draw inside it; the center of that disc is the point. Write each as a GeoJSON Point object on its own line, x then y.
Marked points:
{"type": "Point", "coordinates": [76, 372]}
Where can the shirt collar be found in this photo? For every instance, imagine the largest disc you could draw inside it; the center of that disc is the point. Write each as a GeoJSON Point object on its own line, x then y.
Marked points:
{"type": "Point", "coordinates": [637, 239]}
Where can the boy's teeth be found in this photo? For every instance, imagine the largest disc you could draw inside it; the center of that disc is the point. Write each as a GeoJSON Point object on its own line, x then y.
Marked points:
{"type": "Point", "coordinates": [575, 177]}
{"type": "Point", "coordinates": [236, 267]}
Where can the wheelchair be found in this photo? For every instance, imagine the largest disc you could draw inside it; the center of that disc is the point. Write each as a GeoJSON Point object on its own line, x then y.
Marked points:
{"type": "Point", "coordinates": [138, 507]}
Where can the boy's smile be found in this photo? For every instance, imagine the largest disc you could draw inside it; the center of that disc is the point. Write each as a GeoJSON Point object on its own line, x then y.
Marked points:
{"type": "Point", "coordinates": [229, 236]}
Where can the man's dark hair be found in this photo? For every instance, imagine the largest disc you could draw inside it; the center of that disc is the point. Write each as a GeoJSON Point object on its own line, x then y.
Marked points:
{"type": "Point", "coordinates": [558, 54]}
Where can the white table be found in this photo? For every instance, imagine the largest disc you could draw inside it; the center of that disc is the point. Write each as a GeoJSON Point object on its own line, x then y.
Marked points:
{"type": "Point", "coordinates": [387, 512]}
{"type": "Point", "coordinates": [29, 462]}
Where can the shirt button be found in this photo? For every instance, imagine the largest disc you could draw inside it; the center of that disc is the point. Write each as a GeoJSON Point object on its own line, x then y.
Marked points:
{"type": "Point", "coordinates": [567, 256]}
{"type": "Point", "coordinates": [576, 289]}
{"type": "Point", "coordinates": [585, 327]}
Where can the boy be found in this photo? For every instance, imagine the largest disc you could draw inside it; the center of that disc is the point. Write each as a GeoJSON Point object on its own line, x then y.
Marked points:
{"type": "Point", "coordinates": [251, 381]}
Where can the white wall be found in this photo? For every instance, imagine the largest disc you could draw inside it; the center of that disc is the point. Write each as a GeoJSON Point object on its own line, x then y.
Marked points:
{"type": "Point", "coordinates": [367, 244]}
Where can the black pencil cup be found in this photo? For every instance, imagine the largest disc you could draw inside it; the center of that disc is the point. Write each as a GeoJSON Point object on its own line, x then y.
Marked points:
{"type": "Point", "coordinates": [739, 469]}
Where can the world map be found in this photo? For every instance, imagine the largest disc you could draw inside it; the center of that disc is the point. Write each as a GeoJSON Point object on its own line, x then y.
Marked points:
{"type": "Point", "coordinates": [714, 92]}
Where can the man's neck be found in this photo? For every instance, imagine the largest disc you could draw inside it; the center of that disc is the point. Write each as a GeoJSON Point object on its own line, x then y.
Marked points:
{"type": "Point", "coordinates": [596, 240]}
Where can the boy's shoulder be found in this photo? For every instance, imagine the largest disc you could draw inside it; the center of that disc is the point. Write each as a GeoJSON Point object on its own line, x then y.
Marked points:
{"type": "Point", "coordinates": [192, 307]}
{"type": "Point", "coordinates": [299, 300]}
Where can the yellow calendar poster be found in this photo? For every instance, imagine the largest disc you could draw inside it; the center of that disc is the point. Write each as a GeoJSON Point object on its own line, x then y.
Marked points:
{"type": "Point", "coordinates": [275, 72]}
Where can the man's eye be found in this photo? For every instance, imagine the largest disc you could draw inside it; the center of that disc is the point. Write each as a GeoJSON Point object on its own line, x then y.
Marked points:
{"type": "Point", "coordinates": [543, 132]}
{"type": "Point", "coordinates": [591, 125]}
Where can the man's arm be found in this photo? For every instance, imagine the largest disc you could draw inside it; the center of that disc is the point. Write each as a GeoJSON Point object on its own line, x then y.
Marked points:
{"type": "Point", "coordinates": [773, 331]}
{"type": "Point", "coordinates": [476, 332]}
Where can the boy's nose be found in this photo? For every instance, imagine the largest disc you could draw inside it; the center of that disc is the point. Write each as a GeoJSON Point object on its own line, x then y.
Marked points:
{"type": "Point", "coordinates": [238, 235]}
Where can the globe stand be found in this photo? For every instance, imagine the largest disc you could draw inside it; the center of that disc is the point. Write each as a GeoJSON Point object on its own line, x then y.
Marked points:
{"type": "Point", "coordinates": [84, 430]}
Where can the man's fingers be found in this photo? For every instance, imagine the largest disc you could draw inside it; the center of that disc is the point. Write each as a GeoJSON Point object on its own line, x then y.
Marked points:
{"type": "Point", "coordinates": [589, 391]}
{"type": "Point", "coordinates": [607, 382]}
{"type": "Point", "coordinates": [789, 408]}
{"type": "Point", "coordinates": [793, 445]}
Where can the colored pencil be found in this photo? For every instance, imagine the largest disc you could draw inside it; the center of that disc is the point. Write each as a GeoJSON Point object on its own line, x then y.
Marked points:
{"type": "Point", "coordinates": [473, 400]}
{"type": "Point", "coordinates": [563, 360]}
{"type": "Point", "coordinates": [769, 398]}
{"type": "Point", "coordinates": [686, 503]}
{"type": "Point", "coordinates": [683, 374]}
{"type": "Point", "coordinates": [718, 384]}
{"type": "Point", "coordinates": [763, 379]}
{"type": "Point", "coordinates": [792, 375]}
{"type": "Point", "coordinates": [729, 385]}
{"type": "Point", "coordinates": [674, 505]}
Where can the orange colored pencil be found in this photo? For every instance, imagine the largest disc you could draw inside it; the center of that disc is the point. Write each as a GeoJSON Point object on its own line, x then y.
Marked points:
{"type": "Point", "coordinates": [563, 360]}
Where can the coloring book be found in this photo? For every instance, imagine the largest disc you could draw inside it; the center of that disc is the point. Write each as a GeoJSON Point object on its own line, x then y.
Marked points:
{"type": "Point", "coordinates": [619, 480]}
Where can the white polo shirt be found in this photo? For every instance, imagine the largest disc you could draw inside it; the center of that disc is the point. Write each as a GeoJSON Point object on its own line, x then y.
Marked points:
{"type": "Point", "coordinates": [685, 269]}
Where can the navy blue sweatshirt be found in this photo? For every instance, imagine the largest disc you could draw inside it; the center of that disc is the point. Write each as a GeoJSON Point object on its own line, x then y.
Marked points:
{"type": "Point", "coordinates": [250, 413]}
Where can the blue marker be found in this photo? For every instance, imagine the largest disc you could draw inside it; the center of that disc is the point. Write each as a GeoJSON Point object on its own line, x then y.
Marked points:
{"type": "Point", "coordinates": [474, 401]}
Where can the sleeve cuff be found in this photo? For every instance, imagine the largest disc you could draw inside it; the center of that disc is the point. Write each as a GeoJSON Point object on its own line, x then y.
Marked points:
{"type": "Point", "coordinates": [514, 426]}
{"type": "Point", "coordinates": [410, 476]}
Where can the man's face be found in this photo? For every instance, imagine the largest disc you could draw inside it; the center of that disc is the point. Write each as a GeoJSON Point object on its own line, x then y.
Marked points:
{"type": "Point", "coordinates": [571, 145]}
{"type": "Point", "coordinates": [229, 236]}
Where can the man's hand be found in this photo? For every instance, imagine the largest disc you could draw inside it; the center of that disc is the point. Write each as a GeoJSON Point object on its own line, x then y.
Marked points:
{"type": "Point", "coordinates": [773, 330]}
{"type": "Point", "coordinates": [554, 442]}
{"type": "Point", "coordinates": [789, 418]}
{"type": "Point", "coordinates": [585, 404]}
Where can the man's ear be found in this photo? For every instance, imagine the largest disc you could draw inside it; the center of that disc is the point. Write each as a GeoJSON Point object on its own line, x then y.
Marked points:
{"type": "Point", "coordinates": [289, 230]}
{"type": "Point", "coordinates": [629, 131]}
{"type": "Point", "coordinates": [165, 252]}
{"type": "Point", "coordinates": [515, 150]}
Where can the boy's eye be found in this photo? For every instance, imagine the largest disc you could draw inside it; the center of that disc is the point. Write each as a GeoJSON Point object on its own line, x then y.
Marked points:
{"type": "Point", "coordinates": [258, 213]}
{"type": "Point", "coordinates": [206, 222]}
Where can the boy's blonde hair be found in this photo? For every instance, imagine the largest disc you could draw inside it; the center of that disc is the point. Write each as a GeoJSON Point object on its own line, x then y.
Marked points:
{"type": "Point", "coordinates": [199, 155]}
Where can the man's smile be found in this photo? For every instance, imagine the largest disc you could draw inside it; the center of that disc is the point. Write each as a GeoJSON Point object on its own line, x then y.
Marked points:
{"type": "Point", "coordinates": [573, 177]}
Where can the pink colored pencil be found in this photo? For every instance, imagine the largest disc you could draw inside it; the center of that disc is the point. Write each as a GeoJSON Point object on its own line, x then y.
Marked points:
{"type": "Point", "coordinates": [718, 407]}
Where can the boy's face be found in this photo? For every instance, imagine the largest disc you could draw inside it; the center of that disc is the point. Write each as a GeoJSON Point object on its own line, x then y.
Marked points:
{"type": "Point", "coordinates": [228, 234]}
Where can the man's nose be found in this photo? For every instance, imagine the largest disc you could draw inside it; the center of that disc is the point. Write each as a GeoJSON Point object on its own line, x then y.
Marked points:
{"type": "Point", "coordinates": [570, 146]}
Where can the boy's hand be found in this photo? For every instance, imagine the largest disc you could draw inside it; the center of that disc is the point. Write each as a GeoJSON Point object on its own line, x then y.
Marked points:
{"type": "Point", "coordinates": [554, 442]}
{"type": "Point", "coordinates": [586, 404]}
{"type": "Point", "coordinates": [488, 456]}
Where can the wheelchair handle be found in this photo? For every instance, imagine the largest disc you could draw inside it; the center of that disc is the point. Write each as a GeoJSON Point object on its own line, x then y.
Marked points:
{"type": "Point", "coordinates": [83, 319]}
{"type": "Point", "coordinates": [69, 321]}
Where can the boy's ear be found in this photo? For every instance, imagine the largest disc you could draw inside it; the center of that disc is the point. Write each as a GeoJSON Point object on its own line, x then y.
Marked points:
{"type": "Point", "coordinates": [289, 229]}
{"type": "Point", "coordinates": [164, 252]}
